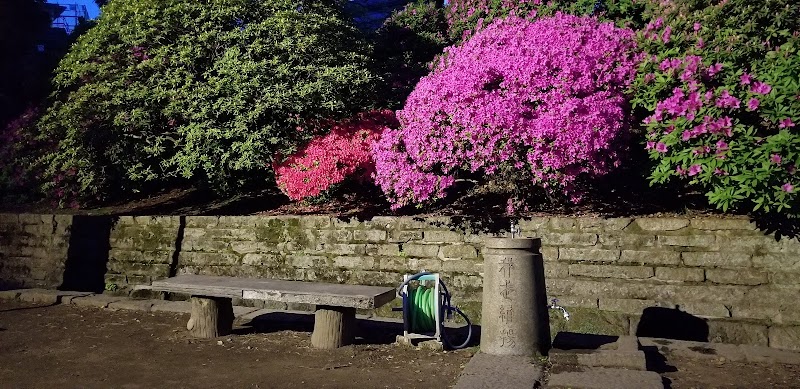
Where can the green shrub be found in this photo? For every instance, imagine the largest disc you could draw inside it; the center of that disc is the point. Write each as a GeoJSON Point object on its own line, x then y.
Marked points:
{"type": "Point", "coordinates": [166, 91]}
{"type": "Point", "coordinates": [721, 84]}
{"type": "Point", "coordinates": [405, 46]}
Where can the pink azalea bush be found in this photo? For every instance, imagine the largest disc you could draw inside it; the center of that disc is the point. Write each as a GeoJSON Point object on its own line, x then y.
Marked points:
{"type": "Point", "coordinates": [18, 151]}
{"type": "Point", "coordinates": [543, 99]}
{"type": "Point", "coordinates": [723, 100]}
{"type": "Point", "coordinates": [329, 159]}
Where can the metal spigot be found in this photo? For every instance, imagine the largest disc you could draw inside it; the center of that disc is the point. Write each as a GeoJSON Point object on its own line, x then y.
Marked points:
{"type": "Point", "coordinates": [554, 305]}
{"type": "Point", "coordinates": [514, 229]}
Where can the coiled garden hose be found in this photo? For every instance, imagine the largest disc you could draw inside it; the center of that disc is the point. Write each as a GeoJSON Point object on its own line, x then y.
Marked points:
{"type": "Point", "coordinates": [422, 306]}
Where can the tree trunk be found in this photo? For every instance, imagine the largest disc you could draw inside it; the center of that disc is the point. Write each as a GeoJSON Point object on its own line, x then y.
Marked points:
{"type": "Point", "coordinates": [211, 317]}
{"type": "Point", "coordinates": [333, 327]}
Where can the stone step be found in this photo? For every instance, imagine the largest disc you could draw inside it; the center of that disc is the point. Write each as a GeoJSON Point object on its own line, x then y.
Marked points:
{"type": "Point", "coordinates": [605, 378]}
{"type": "Point", "coordinates": [492, 371]}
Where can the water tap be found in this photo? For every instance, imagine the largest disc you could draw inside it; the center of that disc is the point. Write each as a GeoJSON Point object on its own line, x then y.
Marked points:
{"type": "Point", "coordinates": [554, 305]}
{"type": "Point", "coordinates": [514, 229]}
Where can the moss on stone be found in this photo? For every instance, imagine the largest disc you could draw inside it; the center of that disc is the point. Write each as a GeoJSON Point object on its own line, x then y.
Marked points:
{"type": "Point", "coordinates": [272, 231]}
{"type": "Point", "coordinates": [151, 237]}
{"type": "Point", "coordinates": [295, 233]}
{"type": "Point", "coordinates": [589, 321]}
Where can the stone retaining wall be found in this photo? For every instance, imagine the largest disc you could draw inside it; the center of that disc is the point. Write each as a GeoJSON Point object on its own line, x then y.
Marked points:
{"type": "Point", "coordinates": [33, 249]}
{"type": "Point", "coordinates": [706, 277]}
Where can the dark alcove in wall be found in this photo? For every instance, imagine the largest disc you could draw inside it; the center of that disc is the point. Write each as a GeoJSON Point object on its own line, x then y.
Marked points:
{"type": "Point", "coordinates": [87, 255]}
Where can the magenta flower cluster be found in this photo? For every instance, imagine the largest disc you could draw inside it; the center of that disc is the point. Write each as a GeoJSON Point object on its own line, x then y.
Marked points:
{"type": "Point", "coordinates": [542, 98]}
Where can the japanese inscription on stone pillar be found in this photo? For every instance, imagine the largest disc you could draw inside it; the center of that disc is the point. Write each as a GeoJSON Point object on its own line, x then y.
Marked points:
{"type": "Point", "coordinates": [506, 308]}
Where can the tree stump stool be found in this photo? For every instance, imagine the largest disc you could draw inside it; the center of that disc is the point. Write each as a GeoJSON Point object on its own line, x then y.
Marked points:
{"type": "Point", "coordinates": [211, 317]}
{"type": "Point", "coordinates": [334, 327]}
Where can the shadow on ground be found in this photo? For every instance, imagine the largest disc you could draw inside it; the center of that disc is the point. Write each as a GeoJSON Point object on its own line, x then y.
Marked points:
{"type": "Point", "coordinates": [369, 331]}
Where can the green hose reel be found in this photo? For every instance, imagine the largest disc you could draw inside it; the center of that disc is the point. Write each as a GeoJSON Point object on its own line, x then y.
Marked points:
{"type": "Point", "coordinates": [426, 304]}
{"type": "Point", "coordinates": [422, 308]}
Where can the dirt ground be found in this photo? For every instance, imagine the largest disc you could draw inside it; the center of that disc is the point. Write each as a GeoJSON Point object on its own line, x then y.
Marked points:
{"type": "Point", "coordinates": [65, 346]}
{"type": "Point", "coordinates": [71, 347]}
{"type": "Point", "coordinates": [719, 373]}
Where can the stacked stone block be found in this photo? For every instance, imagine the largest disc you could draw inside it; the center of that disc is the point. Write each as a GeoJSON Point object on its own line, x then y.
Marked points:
{"type": "Point", "coordinates": [724, 270]}
{"type": "Point", "coordinates": [141, 249]}
{"type": "Point", "coordinates": [33, 250]}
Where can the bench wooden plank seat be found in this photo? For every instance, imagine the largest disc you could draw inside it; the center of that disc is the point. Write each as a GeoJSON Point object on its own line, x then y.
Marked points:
{"type": "Point", "coordinates": [336, 304]}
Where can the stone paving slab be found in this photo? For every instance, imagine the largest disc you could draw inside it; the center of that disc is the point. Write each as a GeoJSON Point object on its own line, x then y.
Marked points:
{"type": "Point", "coordinates": [136, 305]}
{"type": "Point", "coordinates": [695, 350]}
{"type": "Point", "coordinates": [96, 301]}
{"type": "Point", "coordinates": [731, 352]}
{"type": "Point", "coordinates": [634, 360]}
{"type": "Point", "coordinates": [10, 294]}
{"type": "Point", "coordinates": [48, 296]}
{"type": "Point", "coordinates": [318, 293]}
{"type": "Point", "coordinates": [769, 354]}
{"type": "Point", "coordinates": [604, 378]}
{"type": "Point", "coordinates": [623, 353]}
{"type": "Point", "coordinates": [240, 311]}
{"type": "Point", "coordinates": [492, 371]}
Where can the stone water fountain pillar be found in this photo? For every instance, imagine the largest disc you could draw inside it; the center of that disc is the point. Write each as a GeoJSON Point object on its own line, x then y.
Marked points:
{"type": "Point", "coordinates": [514, 319]}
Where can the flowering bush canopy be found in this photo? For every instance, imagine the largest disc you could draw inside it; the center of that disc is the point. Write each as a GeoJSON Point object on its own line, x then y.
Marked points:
{"type": "Point", "coordinates": [330, 159]}
{"type": "Point", "coordinates": [721, 82]}
{"type": "Point", "coordinates": [544, 99]}
{"type": "Point", "coordinates": [166, 92]}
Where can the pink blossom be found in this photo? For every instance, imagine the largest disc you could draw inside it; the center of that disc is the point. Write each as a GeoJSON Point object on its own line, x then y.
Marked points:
{"type": "Point", "coordinates": [775, 158]}
{"type": "Point", "coordinates": [661, 147]}
{"type": "Point", "coordinates": [330, 159]}
{"type": "Point", "coordinates": [745, 79]}
{"type": "Point", "coordinates": [697, 26]}
{"type": "Point", "coordinates": [695, 170]}
{"type": "Point", "coordinates": [752, 104]}
{"type": "Point", "coordinates": [714, 69]}
{"type": "Point", "coordinates": [650, 145]}
{"type": "Point", "coordinates": [649, 77]}
{"type": "Point", "coordinates": [721, 145]}
{"type": "Point", "coordinates": [787, 187]}
{"type": "Point", "coordinates": [700, 43]}
{"type": "Point", "coordinates": [510, 206]}
{"type": "Point", "coordinates": [681, 171]}
{"type": "Point", "coordinates": [720, 172]}
{"type": "Point", "coordinates": [786, 123]}
{"type": "Point", "coordinates": [726, 100]}
{"type": "Point", "coordinates": [666, 34]}
{"type": "Point", "coordinates": [761, 88]}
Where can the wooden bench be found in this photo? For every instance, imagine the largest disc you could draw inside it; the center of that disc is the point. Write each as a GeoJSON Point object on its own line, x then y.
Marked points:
{"type": "Point", "coordinates": [334, 319]}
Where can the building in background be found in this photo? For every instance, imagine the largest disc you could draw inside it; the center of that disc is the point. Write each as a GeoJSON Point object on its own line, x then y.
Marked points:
{"type": "Point", "coordinates": [369, 15]}
{"type": "Point", "coordinates": [66, 14]}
